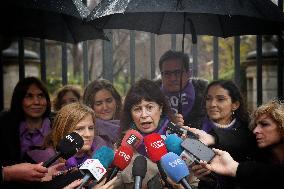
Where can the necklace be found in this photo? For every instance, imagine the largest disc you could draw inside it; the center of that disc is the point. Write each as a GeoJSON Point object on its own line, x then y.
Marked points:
{"type": "Point", "coordinates": [224, 126]}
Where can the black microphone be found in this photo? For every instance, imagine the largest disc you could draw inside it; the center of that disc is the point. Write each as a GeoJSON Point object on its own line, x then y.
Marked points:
{"type": "Point", "coordinates": [67, 147]}
{"type": "Point", "coordinates": [139, 170]}
{"type": "Point", "coordinates": [173, 128]}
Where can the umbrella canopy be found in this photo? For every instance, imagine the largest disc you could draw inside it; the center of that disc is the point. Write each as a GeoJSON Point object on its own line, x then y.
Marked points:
{"type": "Point", "coordinates": [60, 20]}
{"type": "Point", "coordinates": [211, 17]}
{"type": "Point", "coordinates": [197, 17]}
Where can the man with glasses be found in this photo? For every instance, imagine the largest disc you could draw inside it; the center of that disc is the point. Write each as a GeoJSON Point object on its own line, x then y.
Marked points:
{"type": "Point", "coordinates": [174, 65]}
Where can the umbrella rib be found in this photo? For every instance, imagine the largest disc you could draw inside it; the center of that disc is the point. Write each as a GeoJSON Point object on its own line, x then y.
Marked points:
{"type": "Point", "coordinates": [221, 25]}
{"type": "Point", "coordinates": [161, 23]}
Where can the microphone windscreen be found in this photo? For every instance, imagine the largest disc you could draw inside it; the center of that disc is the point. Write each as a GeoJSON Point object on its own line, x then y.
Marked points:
{"type": "Point", "coordinates": [173, 143]}
{"type": "Point", "coordinates": [122, 157]}
{"type": "Point", "coordinates": [174, 167]}
{"type": "Point", "coordinates": [105, 155]}
{"type": "Point", "coordinates": [139, 166]}
{"type": "Point", "coordinates": [155, 146]}
{"type": "Point", "coordinates": [70, 145]}
{"type": "Point", "coordinates": [132, 138]}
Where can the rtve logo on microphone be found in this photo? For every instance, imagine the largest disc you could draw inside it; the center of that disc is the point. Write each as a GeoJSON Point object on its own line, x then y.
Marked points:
{"type": "Point", "coordinates": [124, 155]}
{"type": "Point", "coordinates": [157, 144]}
{"type": "Point", "coordinates": [176, 162]}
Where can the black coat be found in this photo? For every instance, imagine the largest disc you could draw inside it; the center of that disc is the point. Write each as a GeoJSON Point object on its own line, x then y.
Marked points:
{"type": "Point", "coordinates": [260, 175]}
{"type": "Point", "coordinates": [240, 143]}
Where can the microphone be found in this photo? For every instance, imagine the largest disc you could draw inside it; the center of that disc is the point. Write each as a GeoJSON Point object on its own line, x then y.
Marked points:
{"type": "Point", "coordinates": [132, 138]}
{"type": "Point", "coordinates": [97, 166]}
{"type": "Point", "coordinates": [173, 128]}
{"type": "Point", "coordinates": [173, 143]}
{"type": "Point", "coordinates": [139, 170]}
{"type": "Point", "coordinates": [122, 159]}
{"type": "Point", "coordinates": [67, 147]}
{"type": "Point", "coordinates": [156, 148]}
{"type": "Point", "coordinates": [175, 168]}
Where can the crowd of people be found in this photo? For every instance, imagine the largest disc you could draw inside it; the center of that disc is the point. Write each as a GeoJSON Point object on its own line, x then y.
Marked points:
{"type": "Point", "coordinates": [248, 146]}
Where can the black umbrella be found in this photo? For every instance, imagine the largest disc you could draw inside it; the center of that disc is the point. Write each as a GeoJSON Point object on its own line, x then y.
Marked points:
{"type": "Point", "coordinates": [198, 17]}
{"type": "Point", "coordinates": [60, 20]}
{"type": "Point", "coordinates": [202, 17]}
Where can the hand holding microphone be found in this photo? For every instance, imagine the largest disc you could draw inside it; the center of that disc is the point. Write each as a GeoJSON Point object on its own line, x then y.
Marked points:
{"type": "Point", "coordinates": [175, 168]}
{"type": "Point", "coordinates": [96, 167]}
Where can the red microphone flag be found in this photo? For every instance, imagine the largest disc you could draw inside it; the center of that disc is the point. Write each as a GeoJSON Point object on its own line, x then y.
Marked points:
{"type": "Point", "coordinates": [132, 138]}
{"type": "Point", "coordinates": [122, 157]}
{"type": "Point", "coordinates": [155, 146]}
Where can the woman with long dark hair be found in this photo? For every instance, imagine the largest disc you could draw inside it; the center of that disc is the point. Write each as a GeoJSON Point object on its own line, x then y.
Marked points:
{"type": "Point", "coordinates": [226, 128]}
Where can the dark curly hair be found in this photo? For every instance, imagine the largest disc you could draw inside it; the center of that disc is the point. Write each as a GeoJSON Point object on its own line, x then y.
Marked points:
{"type": "Point", "coordinates": [147, 90]}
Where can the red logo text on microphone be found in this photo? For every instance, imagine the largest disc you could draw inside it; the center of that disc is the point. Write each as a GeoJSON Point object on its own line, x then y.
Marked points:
{"type": "Point", "coordinates": [124, 155]}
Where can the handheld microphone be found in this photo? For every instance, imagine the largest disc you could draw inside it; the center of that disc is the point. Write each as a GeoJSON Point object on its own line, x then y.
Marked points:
{"type": "Point", "coordinates": [156, 148]}
{"type": "Point", "coordinates": [67, 147]}
{"type": "Point", "coordinates": [122, 159]}
{"type": "Point", "coordinates": [173, 128]}
{"type": "Point", "coordinates": [139, 170]}
{"type": "Point", "coordinates": [175, 168]}
{"type": "Point", "coordinates": [97, 166]}
{"type": "Point", "coordinates": [173, 143]}
{"type": "Point", "coordinates": [132, 138]}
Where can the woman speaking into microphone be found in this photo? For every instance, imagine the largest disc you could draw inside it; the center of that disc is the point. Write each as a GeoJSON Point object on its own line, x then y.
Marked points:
{"type": "Point", "coordinates": [146, 110]}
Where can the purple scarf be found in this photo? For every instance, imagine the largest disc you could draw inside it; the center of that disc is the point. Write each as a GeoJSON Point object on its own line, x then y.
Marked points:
{"type": "Point", "coordinates": [108, 130]}
{"type": "Point", "coordinates": [32, 140]}
{"type": "Point", "coordinates": [187, 96]}
{"type": "Point", "coordinates": [161, 129]}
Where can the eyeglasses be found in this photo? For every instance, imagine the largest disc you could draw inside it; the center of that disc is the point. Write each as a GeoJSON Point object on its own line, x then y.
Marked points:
{"type": "Point", "coordinates": [149, 109]}
{"type": "Point", "coordinates": [168, 74]}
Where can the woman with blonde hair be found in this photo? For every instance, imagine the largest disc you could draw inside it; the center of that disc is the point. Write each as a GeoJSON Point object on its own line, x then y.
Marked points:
{"type": "Point", "coordinates": [74, 117]}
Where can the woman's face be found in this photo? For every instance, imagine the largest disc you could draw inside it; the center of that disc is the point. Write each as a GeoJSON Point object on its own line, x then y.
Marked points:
{"type": "Point", "coordinates": [146, 116]}
{"type": "Point", "coordinates": [267, 133]}
{"type": "Point", "coordinates": [68, 98]}
{"type": "Point", "coordinates": [104, 105]}
{"type": "Point", "coordinates": [86, 129]}
{"type": "Point", "coordinates": [34, 103]}
{"type": "Point", "coordinates": [219, 105]}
